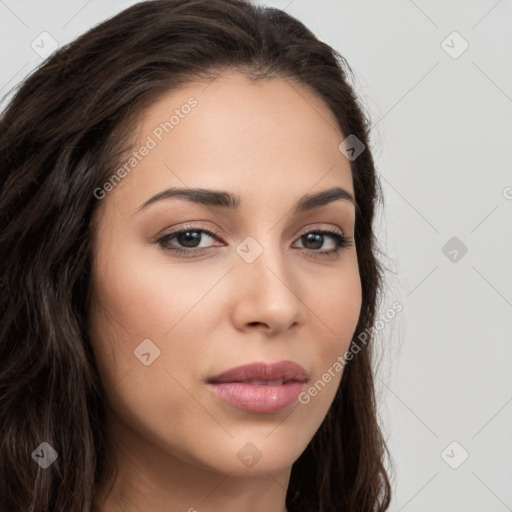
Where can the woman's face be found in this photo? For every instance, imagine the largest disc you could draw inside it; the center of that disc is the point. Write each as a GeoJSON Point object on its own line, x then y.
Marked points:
{"type": "Point", "coordinates": [163, 323]}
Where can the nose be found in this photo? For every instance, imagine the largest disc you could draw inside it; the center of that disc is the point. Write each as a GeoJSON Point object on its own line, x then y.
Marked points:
{"type": "Point", "coordinates": [267, 293]}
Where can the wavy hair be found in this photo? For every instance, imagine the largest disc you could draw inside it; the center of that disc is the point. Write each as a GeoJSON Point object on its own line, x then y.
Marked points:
{"type": "Point", "coordinates": [62, 134]}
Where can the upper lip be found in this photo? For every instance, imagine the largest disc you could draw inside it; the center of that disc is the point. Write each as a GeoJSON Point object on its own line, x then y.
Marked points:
{"type": "Point", "coordinates": [286, 370]}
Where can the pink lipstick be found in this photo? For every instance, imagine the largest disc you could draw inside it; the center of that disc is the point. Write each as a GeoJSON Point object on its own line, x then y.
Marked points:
{"type": "Point", "coordinates": [260, 387]}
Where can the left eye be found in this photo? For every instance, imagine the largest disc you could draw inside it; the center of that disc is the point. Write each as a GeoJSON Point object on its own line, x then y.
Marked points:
{"type": "Point", "coordinates": [187, 237]}
{"type": "Point", "coordinates": [191, 236]}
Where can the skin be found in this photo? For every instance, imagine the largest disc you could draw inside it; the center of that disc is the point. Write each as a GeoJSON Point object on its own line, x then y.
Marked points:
{"type": "Point", "coordinates": [176, 444]}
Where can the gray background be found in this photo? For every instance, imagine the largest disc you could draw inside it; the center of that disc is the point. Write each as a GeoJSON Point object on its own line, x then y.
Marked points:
{"type": "Point", "coordinates": [442, 135]}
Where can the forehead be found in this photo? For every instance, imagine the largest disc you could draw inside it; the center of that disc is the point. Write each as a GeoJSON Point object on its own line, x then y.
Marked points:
{"type": "Point", "coordinates": [257, 138]}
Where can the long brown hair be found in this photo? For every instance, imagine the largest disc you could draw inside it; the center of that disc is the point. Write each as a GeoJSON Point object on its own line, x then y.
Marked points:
{"type": "Point", "coordinates": [61, 136]}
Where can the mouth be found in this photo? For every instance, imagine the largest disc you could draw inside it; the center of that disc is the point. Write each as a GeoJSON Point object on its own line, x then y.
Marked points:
{"type": "Point", "coordinates": [260, 373]}
{"type": "Point", "coordinates": [260, 387]}
{"type": "Point", "coordinates": [278, 382]}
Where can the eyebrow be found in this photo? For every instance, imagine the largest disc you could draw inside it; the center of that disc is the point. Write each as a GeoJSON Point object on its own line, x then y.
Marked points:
{"type": "Point", "coordinates": [223, 199]}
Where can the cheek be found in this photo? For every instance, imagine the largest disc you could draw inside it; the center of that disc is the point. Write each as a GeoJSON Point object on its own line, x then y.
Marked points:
{"type": "Point", "coordinates": [335, 314]}
{"type": "Point", "coordinates": [336, 308]}
{"type": "Point", "coordinates": [139, 296]}
{"type": "Point", "coordinates": [144, 296]}
{"type": "Point", "coordinates": [134, 302]}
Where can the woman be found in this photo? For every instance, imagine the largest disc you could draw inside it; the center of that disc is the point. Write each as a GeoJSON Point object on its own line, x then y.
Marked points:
{"type": "Point", "coordinates": [188, 256]}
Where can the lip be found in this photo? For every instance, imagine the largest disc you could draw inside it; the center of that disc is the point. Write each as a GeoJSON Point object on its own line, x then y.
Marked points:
{"type": "Point", "coordinates": [287, 370]}
{"type": "Point", "coordinates": [233, 386]}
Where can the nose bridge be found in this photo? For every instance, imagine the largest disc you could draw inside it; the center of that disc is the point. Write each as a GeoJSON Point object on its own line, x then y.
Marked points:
{"type": "Point", "coordinates": [265, 277]}
{"type": "Point", "coordinates": [261, 251]}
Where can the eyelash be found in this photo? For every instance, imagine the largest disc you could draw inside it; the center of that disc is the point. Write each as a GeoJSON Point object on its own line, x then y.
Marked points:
{"type": "Point", "coordinates": [341, 241]}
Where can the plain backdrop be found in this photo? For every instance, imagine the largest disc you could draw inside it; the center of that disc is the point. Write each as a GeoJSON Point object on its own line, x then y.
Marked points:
{"type": "Point", "coordinates": [436, 80]}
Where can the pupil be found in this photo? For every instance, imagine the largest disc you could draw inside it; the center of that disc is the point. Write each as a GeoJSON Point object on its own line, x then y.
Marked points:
{"type": "Point", "coordinates": [186, 237]}
{"type": "Point", "coordinates": [318, 240]}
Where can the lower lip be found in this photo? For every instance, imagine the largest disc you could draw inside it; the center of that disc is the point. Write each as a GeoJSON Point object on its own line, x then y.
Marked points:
{"type": "Point", "coordinates": [258, 398]}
